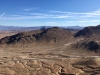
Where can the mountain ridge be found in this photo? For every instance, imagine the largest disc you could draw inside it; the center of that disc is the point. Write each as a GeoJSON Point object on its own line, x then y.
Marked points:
{"type": "Point", "coordinates": [89, 31]}
{"type": "Point", "coordinates": [53, 34]}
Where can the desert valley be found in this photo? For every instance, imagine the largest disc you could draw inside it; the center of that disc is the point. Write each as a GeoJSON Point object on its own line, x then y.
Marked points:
{"type": "Point", "coordinates": [50, 51]}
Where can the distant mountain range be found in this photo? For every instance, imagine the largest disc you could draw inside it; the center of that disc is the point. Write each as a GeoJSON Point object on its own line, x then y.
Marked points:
{"type": "Point", "coordinates": [74, 27]}
{"type": "Point", "coordinates": [18, 28]}
{"type": "Point", "coordinates": [36, 27]}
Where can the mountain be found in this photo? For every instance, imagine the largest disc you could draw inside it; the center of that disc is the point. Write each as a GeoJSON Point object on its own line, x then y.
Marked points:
{"type": "Point", "coordinates": [89, 31]}
{"type": "Point", "coordinates": [53, 34]}
{"type": "Point", "coordinates": [74, 27]}
{"type": "Point", "coordinates": [57, 35]}
{"type": "Point", "coordinates": [10, 27]}
{"type": "Point", "coordinates": [88, 45]}
{"type": "Point", "coordinates": [16, 28]}
{"type": "Point", "coordinates": [36, 27]}
{"type": "Point", "coordinates": [88, 38]}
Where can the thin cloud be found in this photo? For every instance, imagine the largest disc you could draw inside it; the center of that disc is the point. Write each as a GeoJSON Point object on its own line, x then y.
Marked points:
{"type": "Point", "coordinates": [15, 15]}
{"type": "Point", "coordinates": [29, 9]}
{"type": "Point", "coordinates": [95, 20]}
{"type": "Point", "coordinates": [70, 16]}
{"type": "Point", "coordinates": [81, 14]}
{"type": "Point", "coordinates": [61, 12]}
{"type": "Point", "coordinates": [51, 22]}
{"type": "Point", "coordinates": [78, 21]}
{"type": "Point", "coordinates": [82, 21]}
{"type": "Point", "coordinates": [35, 16]}
{"type": "Point", "coordinates": [2, 14]}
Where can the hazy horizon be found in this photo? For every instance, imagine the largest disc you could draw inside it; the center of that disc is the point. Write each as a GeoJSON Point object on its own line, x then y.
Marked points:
{"type": "Point", "coordinates": [30, 13]}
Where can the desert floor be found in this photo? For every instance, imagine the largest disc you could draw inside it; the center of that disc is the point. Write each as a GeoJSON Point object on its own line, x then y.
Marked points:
{"type": "Point", "coordinates": [47, 60]}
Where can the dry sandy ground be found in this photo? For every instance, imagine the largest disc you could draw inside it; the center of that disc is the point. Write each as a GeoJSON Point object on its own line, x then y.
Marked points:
{"type": "Point", "coordinates": [64, 66]}
{"type": "Point", "coordinates": [68, 66]}
{"type": "Point", "coordinates": [47, 60]}
{"type": "Point", "coordinates": [7, 33]}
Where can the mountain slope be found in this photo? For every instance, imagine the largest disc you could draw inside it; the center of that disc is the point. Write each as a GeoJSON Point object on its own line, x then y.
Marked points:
{"type": "Point", "coordinates": [89, 31]}
{"type": "Point", "coordinates": [88, 45]}
{"type": "Point", "coordinates": [54, 34]}
{"type": "Point", "coordinates": [88, 38]}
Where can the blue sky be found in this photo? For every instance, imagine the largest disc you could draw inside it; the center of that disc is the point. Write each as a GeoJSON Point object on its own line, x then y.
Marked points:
{"type": "Point", "coordinates": [49, 12]}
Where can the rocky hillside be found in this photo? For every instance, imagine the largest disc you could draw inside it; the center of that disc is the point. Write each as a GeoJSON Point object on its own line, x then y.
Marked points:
{"type": "Point", "coordinates": [54, 34]}
{"type": "Point", "coordinates": [88, 38]}
{"type": "Point", "coordinates": [88, 45]}
{"type": "Point", "coordinates": [89, 31]}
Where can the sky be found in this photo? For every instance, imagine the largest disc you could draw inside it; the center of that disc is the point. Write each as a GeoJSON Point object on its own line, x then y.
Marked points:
{"type": "Point", "coordinates": [31, 13]}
